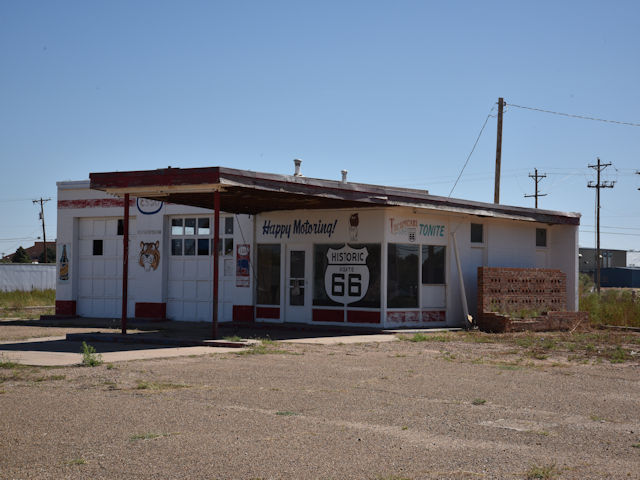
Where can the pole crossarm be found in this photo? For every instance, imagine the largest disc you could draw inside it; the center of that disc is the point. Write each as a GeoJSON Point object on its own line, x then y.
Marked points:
{"type": "Point", "coordinates": [537, 178]}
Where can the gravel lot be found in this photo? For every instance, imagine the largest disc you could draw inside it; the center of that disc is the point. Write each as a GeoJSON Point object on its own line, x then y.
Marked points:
{"type": "Point", "coordinates": [399, 410]}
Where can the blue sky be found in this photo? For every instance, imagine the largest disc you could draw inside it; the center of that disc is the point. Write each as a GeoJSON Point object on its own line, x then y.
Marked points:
{"type": "Point", "coordinates": [395, 92]}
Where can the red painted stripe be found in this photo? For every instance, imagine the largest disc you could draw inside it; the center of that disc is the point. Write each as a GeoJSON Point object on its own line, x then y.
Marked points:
{"type": "Point", "coordinates": [66, 307]}
{"type": "Point", "coordinates": [320, 315]}
{"type": "Point", "coordinates": [152, 178]}
{"type": "Point", "coordinates": [267, 312]}
{"type": "Point", "coordinates": [358, 316]}
{"type": "Point", "coordinates": [434, 316]}
{"type": "Point", "coordinates": [243, 313]}
{"type": "Point", "coordinates": [151, 310]}
{"type": "Point", "coordinates": [95, 203]}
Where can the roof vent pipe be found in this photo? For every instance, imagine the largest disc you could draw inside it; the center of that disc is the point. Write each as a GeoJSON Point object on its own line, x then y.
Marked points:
{"type": "Point", "coordinates": [297, 162]}
{"type": "Point", "coordinates": [344, 175]}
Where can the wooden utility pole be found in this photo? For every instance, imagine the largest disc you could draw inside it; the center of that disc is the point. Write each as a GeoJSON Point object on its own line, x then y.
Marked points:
{"type": "Point", "coordinates": [496, 191]}
{"type": "Point", "coordinates": [598, 185]}
{"type": "Point", "coordinates": [42, 201]}
{"type": "Point", "coordinates": [537, 179]}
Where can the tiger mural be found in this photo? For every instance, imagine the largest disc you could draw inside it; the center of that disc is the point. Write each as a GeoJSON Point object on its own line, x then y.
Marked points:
{"type": "Point", "coordinates": [149, 255]}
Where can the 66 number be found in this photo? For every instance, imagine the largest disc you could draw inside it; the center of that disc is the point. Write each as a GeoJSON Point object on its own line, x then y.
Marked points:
{"type": "Point", "coordinates": [353, 284]}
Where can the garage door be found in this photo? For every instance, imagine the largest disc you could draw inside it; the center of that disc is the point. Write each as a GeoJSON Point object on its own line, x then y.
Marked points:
{"type": "Point", "coordinates": [190, 289]}
{"type": "Point", "coordinates": [100, 268]}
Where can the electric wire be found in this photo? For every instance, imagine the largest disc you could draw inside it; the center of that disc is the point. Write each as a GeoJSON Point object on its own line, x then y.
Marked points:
{"type": "Point", "coordinates": [571, 115]}
{"type": "Point", "coordinates": [472, 150]}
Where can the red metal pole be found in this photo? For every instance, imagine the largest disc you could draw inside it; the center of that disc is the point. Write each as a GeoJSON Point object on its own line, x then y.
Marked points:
{"type": "Point", "coordinates": [125, 263]}
{"type": "Point", "coordinates": [216, 261]}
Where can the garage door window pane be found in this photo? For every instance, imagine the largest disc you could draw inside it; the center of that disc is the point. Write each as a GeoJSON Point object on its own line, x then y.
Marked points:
{"type": "Point", "coordinates": [189, 226]}
{"type": "Point", "coordinates": [268, 274]}
{"type": "Point", "coordinates": [402, 278]}
{"type": "Point", "coordinates": [228, 226]}
{"type": "Point", "coordinates": [228, 246]}
{"type": "Point", "coordinates": [176, 226]}
{"type": "Point", "coordinates": [189, 246]}
{"type": "Point", "coordinates": [203, 246]}
{"type": "Point", "coordinates": [203, 226]}
{"type": "Point", "coordinates": [97, 247]}
{"type": "Point", "coordinates": [176, 246]}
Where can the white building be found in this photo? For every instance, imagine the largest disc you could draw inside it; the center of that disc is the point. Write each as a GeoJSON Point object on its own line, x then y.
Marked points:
{"type": "Point", "coordinates": [292, 249]}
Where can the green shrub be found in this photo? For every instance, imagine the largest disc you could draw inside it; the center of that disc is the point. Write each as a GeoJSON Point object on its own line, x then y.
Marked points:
{"type": "Point", "coordinates": [89, 356]}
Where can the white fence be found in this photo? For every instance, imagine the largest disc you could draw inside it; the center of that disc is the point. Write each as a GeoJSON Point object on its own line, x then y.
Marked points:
{"type": "Point", "coordinates": [27, 276]}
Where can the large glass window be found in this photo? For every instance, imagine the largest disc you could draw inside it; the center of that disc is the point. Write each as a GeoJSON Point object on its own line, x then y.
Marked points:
{"type": "Point", "coordinates": [402, 276]}
{"type": "Point", "coordinates": [433, 258]}
{"type": "Point", "coordinates": [268, 274]}
{"type": "Point", "coordinates": [352, 279]}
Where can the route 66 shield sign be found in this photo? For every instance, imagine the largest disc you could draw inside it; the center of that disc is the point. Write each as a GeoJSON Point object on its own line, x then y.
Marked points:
{"type": "Point", "coordinates": [346, 279]}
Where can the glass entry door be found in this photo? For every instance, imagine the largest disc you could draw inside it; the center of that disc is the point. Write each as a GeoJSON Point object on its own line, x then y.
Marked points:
{"type": "Point", "coordinates": [298, 286]}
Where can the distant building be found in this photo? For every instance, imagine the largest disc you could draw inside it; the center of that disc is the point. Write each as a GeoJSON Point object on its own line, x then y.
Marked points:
{"type": "Point", "coordinates": [610, 258]}
{"type": "Point", "coordinates": [620, 277]}
{"type": "Point", "coordinates": [35, 251]}
{"type": "Point", "coordinates": [633, 259]}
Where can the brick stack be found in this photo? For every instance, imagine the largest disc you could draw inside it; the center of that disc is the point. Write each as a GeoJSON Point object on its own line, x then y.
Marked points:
{"type": "Point", "coordinates": [532, 293]}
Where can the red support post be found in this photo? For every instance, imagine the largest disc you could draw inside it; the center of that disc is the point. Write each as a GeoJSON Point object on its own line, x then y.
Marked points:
{"type": "Point", "coordinates": [216, 262]}
{"type": "Point", "coordinates": [125, 263]}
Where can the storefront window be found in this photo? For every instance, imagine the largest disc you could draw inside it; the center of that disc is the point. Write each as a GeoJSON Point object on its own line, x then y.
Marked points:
{"type": "Point", "coordinates": [433, 258]}
{"type": "Point", "coordinates": [358, 281]}
{"type": "Point", "coordinates": [402, 278]}
{"type": "Point", "coordinates": [268, 274]}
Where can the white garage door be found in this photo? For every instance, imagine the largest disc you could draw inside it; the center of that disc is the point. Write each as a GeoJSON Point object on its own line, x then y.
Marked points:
{"type": "Point", "coordinates": [190, 289]}
{"type": "Point", "coordinates": [100, 268]}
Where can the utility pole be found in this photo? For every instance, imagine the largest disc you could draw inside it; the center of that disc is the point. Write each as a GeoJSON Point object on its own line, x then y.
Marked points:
{"type": "Point", "coordinates": [496, 191]}
{"type": "Point", "coordinates": [42, 201]}
{"type": "Point", "coordinates": [537, 179]}
{"type": "Point", "coordinates": [599, 167]}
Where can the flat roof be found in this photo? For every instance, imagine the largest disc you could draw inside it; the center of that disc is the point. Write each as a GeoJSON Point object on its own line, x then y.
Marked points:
{"type": "Point", "coordinates": [248, 192]}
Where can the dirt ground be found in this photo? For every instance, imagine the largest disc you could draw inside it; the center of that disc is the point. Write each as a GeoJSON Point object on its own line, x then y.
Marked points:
{"type": "Point", "coordinates": [454, 406]}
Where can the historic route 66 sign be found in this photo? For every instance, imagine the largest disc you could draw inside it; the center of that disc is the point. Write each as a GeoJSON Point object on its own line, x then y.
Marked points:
{"type": "Point", "coordinates": [346, 279]}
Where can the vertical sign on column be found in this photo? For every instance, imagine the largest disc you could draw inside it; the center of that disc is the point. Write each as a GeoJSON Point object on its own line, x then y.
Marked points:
{"type": "Point", "coordinates": [242, 265]}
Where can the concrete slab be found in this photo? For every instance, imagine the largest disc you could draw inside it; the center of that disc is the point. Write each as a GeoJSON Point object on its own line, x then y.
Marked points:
{"type": "Point", "coordinates": [39, 355]}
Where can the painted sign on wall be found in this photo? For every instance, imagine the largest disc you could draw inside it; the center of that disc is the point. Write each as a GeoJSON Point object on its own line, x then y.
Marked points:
{"type": "Point", "coordinates": [147, 206]}
{"type": "Point", "coordinates": [412, 229]}
{"type": "Point", "coordinates": [242, 265]}
{"type": "Point", "coordinates": [346, 279]}
{"type": "Point", "coordinates": [298, 227]}
{"type": "Point", "coordinates": [149, 255]}
{"type": "Point", "coordinates": [63, 273]}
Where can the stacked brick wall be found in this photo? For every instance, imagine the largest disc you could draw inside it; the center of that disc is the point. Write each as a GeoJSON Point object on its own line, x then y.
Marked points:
{"type": "Point", "coordinates": [509, 290]}
{"type": "Point", "coordinates": [540, 293]}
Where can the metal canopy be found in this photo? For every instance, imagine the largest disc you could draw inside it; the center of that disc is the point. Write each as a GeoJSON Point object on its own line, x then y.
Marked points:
{"type": "Point", "coordinates": [243, 191]}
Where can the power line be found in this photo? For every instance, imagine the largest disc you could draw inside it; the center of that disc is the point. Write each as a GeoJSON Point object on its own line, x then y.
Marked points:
{"type": "Point", "coordinates": [613, 233]}
{"type": "Point", "coordinates": [570, 115]}
{"type": "Point", "coordinates": [472, 150]}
